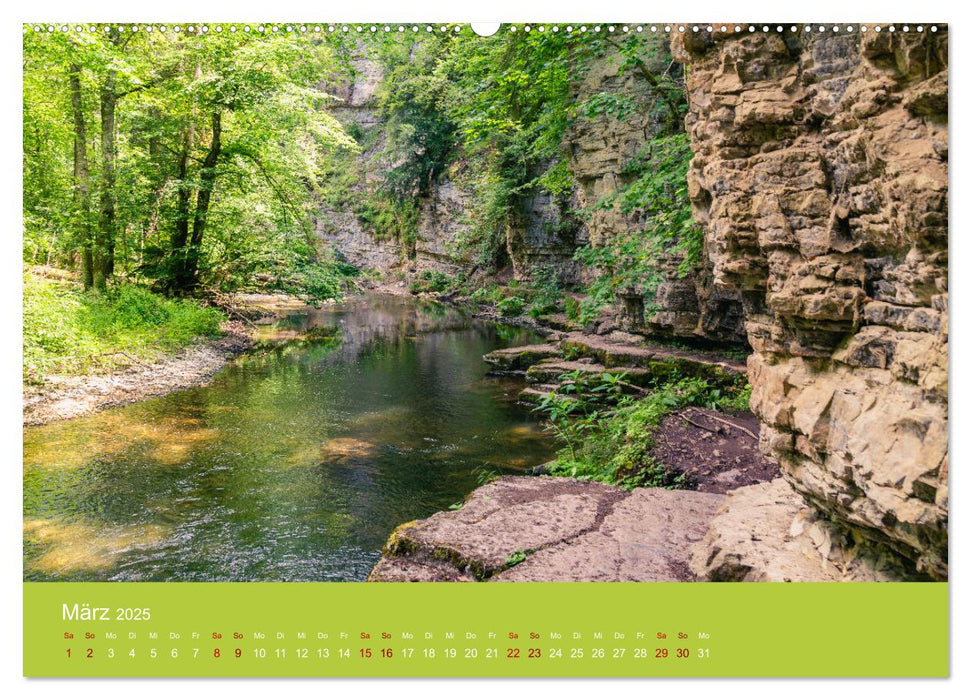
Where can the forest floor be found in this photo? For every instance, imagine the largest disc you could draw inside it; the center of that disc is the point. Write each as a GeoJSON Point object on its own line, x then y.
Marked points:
{"type": "Point", "coordinates": [717, 451]}
{"type": "Point", "coordinates": [69, 396]}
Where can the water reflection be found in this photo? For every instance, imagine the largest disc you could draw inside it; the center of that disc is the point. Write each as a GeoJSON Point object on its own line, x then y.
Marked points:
{"type": "Point", "coordinates": [293, 464]}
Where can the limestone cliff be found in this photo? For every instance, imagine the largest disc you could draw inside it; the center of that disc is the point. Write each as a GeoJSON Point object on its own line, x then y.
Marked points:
{"type": "Point", "coordinates": [545, 230]}
{"type": "Point", "coordinates": [336, 221]}
{"type": "Point", "coordinates": [820, 174]}
{"type": "Point", "coordinates": [343, 220]}
{"type": "Point", "coordinates": [688, 306]}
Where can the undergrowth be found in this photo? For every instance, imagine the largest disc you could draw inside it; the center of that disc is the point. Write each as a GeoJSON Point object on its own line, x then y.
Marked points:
{"type": "Point", "coordinates": [75, 332]}
{"type": "Point", "coordinates": [607, 435]}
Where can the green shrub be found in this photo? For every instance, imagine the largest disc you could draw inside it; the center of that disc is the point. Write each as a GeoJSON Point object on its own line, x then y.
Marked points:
{"type": "Point", "coordinates": [489, 294]}
{"type": "Point", "coordinates": [544, 291]}
{"type": "Point", "coordinates": [434, 281]}
{"type": "Point", "coordinates": [572, 308]}
{"type": "Point", "coordinates": [316, 282]}
{"type": "Point", "coordinates": [608, 437]}
{"type": "Point", "coordinates": [511, 306]}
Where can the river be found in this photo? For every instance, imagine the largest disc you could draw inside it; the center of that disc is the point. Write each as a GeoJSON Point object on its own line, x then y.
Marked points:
{"type": "Point", "coordinates": [294, 464]}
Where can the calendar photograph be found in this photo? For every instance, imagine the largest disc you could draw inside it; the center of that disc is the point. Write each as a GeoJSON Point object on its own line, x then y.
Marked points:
{"type": "Point", "coordinates": [436, 303]}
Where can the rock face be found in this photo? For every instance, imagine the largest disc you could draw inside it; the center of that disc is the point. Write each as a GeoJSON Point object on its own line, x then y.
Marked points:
{"type": "Point", "coordinates": [766, 532]}
{"type": "Point", "coordinates": [546, 230]}
{"type": "Point", "coordinates": [544, 233]}
{"type": "Point", "coordinates": [336, 222]}
{"type": "Point", "coordinates": [552, 529]}
{"type": "Point", "coordinates": [441, 214]}
{"type": "Point", "coordinates": [601, 148]}
{"type": "Point", "coordinates": [820, 175]}
{"type": "Point", "coordinates": [441, 224]}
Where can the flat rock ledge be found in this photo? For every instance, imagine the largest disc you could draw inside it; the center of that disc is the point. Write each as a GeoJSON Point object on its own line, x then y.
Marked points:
{"type": "Point", "coordinates": [767, 532]}
{"type": "Point", "coordinates": [520, 358]}
{"type": "Point", "coordinates": [552, 529]}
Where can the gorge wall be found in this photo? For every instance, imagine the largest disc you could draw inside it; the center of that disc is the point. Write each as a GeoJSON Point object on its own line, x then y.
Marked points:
{"type": "Point", "coordinates": [546, 230]}
{"type": "Point", "coordinates": [820, 175]}
{"type": "Point", "coordinates": [600, 148]}
{"type": "Point", "coordinates": [343, 220]}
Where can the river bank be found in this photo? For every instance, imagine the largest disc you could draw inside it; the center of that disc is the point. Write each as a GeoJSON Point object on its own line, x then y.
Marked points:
{"type": "Point", "coordinates": [292, 463]}
{"type": "Point", "coordinates": [65, 396]}
{"type": "Point", "coordinates": [61, 397]}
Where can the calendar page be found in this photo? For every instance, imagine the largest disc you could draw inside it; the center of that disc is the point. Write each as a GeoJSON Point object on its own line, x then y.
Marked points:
{"type": "Point", "coordinates": [395, 349]}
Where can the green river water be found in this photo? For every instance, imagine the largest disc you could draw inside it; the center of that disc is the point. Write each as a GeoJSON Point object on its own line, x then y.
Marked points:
{"type": "Point", "coordinates": [294, 464]}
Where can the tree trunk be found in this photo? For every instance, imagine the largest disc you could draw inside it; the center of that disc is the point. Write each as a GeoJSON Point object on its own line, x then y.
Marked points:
{"type": "Point", "coordinates": [150, 226]}
{"type": "Point", "coordinates": [180, 235]}
{"type": "Point", "coordinates": [207, 180]}
{"type": "Point", "coordinates": [82, 176]}
{"type": "Point", "coordinates": [104, 246]}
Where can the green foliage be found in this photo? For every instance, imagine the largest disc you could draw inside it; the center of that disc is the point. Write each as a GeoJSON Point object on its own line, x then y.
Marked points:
{"type": "Point", "coordinates": [489, 218]}
{"type": "Point", "coordinates": [608, 436]}
{"type": "Point", "coordinates": [68, 330]}
{"type": "Point", "coordinates": [633, 262]}
{"type": "Point", "coordinates": [517, 557]}
{"type": "Point", "coordinates": [484, 475]}
{"type": "Point", "coordinates": [434, 281]}
{"type": "Point", "coordinates": [488, 294]}
{"type": "Point", "coordinates": [387, 218]}
{"type": "Point", "coordinates": [558, 181]}
{"type": "Point", "coordinates": [608, 103]}
{"type": "Point", "coordinates": [316, 282]}
{"type": "Point", "coordinates": [541, 294]}
{"type": "Point", "coordinates": [222, 143]}
{"type": "Point", "coordinates": [511, 306]}
{"type": "Point", "coordinates": [511, 110]}
{"type": "Point", "coordinates": [544, 291]}
{"type": "Point", "coordinates": [415, 98]}
{"type": "Point", "coordinates": [572, 308]}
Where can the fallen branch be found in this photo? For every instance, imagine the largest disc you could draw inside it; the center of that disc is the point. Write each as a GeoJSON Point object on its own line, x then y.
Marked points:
{"type": "Point", "coordinates": [632, 387]}
{"type": "Point", "coordinates": [232, 313]}
{"type": "Point", "coordinates": [730, 424]}
{"type": "Point", "coordinates": [697, 425]}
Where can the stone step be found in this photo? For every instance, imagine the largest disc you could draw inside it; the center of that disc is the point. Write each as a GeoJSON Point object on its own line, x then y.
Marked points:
{"type": "Point", "coordinates": [559, 322]}
{"type": "Point", "coordinates": [518, 359]}
{"type": "Point", "coordinates": [535, 393]}
{"type": "Point", "coordinates": [550, 371]}
{"type": "Point", "coordinates": [661, 362]}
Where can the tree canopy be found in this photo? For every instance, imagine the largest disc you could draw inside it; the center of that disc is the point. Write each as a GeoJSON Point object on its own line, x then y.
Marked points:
{"type": "Point", "coordinates": [186, 158]}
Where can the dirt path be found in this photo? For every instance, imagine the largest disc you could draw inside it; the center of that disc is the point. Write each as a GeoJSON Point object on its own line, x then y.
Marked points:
{"type": "Point", "coordinates": [62, 397]}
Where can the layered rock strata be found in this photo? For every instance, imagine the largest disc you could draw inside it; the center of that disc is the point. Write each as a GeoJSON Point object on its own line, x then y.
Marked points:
{"type": "Point", "coordinates": [601, 149]}
{"type": "Point", "coordinates": [766, 532]}
{"type": "Point", "coordinates": [820, 175]}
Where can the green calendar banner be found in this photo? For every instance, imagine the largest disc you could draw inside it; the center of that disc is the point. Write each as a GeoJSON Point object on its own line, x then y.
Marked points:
{"type": "Point", "coordinates": [532, 629]}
